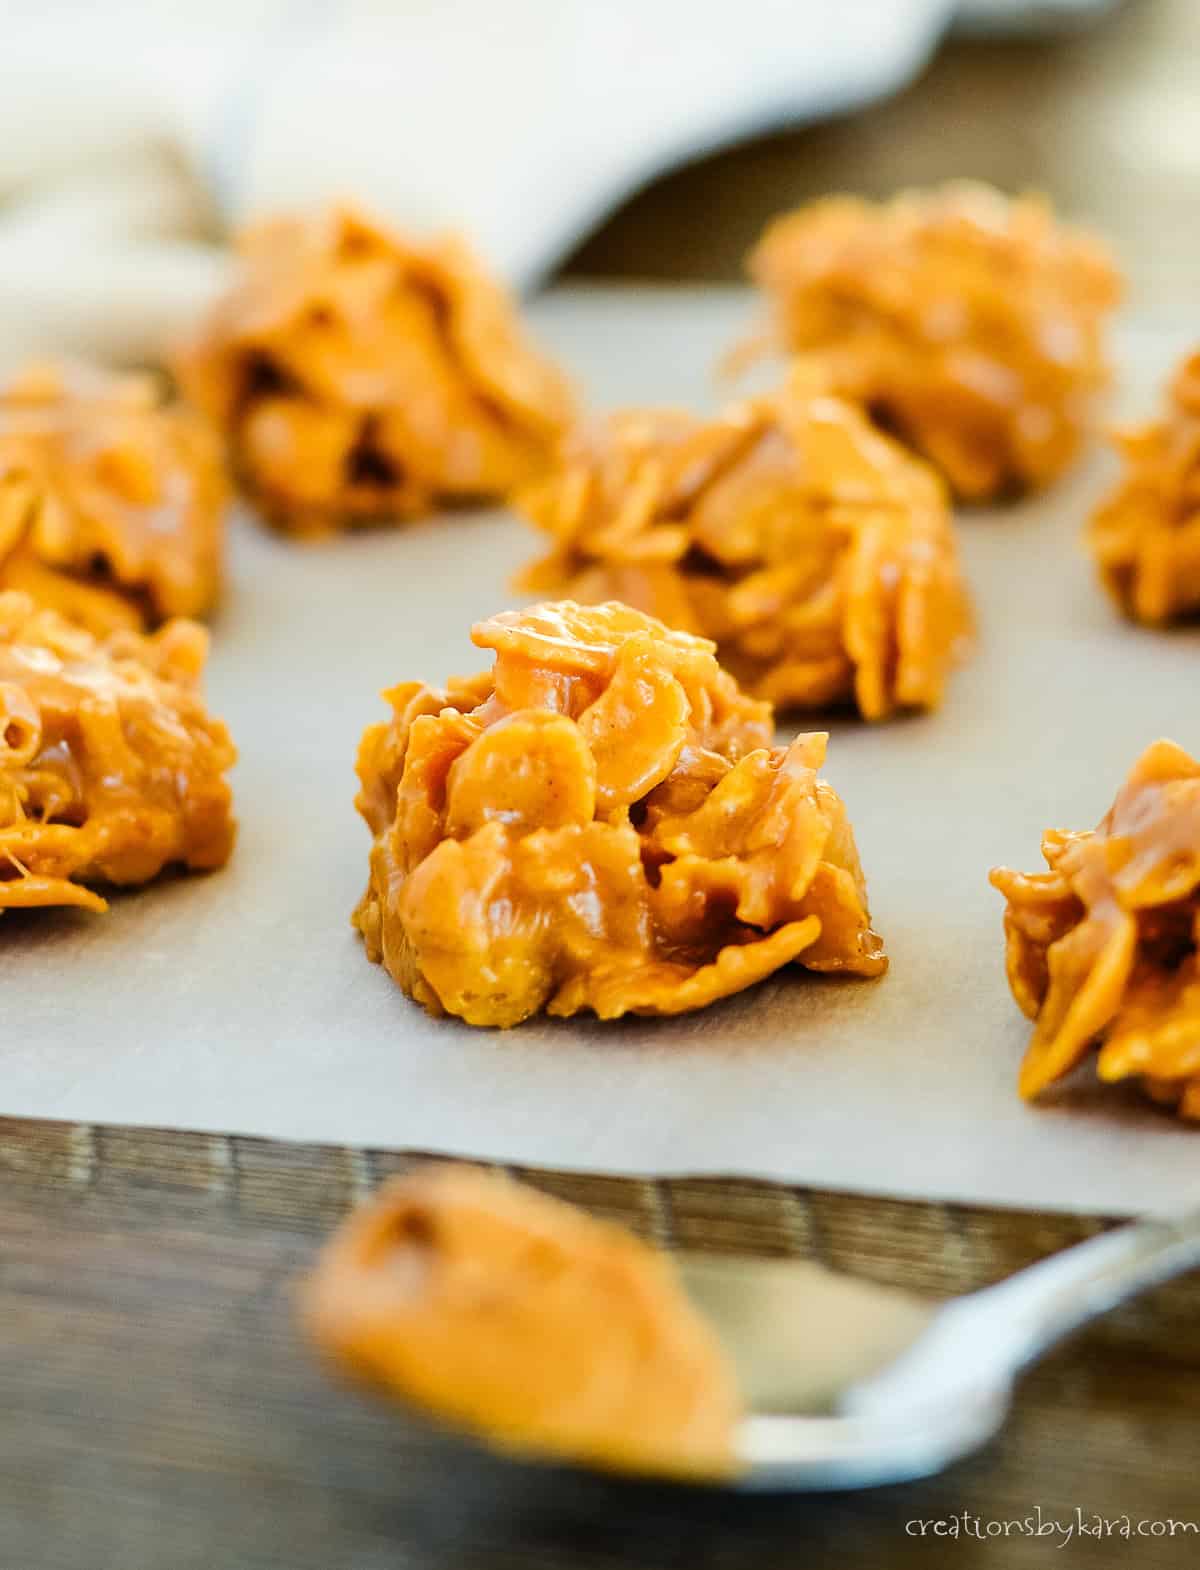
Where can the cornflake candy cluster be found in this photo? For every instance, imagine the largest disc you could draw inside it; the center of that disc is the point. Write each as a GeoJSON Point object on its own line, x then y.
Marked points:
{"type": "Point", "coordinates": [817, 554]}
{"type": "Point", "coordinates": [601, 823]}
{"type": "Point", "coordinates": [969, 324]}
{"type": "Point", "coordinates": [110, 767]}
{"type": "Point", "coordinates": [1104, 949]}
{"type": "Point", "coordinates": [112, 500]}
{"type": "Point", "coordinates": [1146, 535]}
{"type": "Point", "coordinates": [524, 1320]}
{"type": "Point", "coordinates": [360, 376]}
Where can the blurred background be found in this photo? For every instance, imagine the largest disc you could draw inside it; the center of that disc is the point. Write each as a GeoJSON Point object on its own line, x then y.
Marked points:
{"type": "Point", "coordinates": [611, 138]}
{"type": "Point", "coordinates": [1100, 110]}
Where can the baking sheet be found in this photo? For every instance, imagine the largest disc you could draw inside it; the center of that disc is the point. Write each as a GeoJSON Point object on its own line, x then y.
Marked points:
{"type": "Point", "coordinates": [242, 1002]}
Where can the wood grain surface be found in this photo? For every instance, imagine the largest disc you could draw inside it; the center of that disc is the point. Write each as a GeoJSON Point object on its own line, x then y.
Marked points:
{"type": "Point", "coordinates": [161, 1410]}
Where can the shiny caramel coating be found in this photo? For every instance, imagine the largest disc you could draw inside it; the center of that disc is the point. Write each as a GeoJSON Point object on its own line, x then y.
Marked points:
{"type": "Point", "coordinates": [112, 499]}
{"type": "Point", "coordinates": [520, 1318]}
{"type": "Point", "coordinates": [361, 376]}
{"type": "Point", "coordinates": [1104, 949]}
{"type": "Point", "coordinates": [111, 770]}
{"type": "Point", "coordinates": [815, 551]}
{"type": "Point", "coordinates": [969, 324]}
{"type": "Point", "coordinates": [1145, 536]}
{"type": "Point", "coordinates": [599, 823]}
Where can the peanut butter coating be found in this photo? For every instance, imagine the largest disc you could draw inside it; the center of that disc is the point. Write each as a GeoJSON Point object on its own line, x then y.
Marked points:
{"type": "Point", "coordinates": [361, 376]}
{"type": "Point", "coordinates": [969, 324]}
{"type": "Point", "coordinates": [111, 769]}
{"type": "Point", "coordinates": [522, 1319]}
{"type": "Point", "coordinates": [1145, 535]}
{"type": "Point", "coordinates": [817, 553]}
{"type": "Point", "coordinates": [1104, 949]}
{"type": "Point", "coordinates": [599, 823]}
{"type": "Point", "coordinates": [112, 499]}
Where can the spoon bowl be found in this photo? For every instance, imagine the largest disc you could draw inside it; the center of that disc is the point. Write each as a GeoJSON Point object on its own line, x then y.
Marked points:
{"type": "Point", "coordinates": [848, 1384]}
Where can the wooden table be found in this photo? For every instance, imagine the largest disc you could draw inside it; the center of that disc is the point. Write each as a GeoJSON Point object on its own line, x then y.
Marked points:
{"type": "Point", "coordinates": [160, 1411]}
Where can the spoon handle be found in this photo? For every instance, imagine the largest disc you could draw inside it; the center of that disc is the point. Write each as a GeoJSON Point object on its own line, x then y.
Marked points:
{"type": "Point", "coordinates": [1040, 1305]}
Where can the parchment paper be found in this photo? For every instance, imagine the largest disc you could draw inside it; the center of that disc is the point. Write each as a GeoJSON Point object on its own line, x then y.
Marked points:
{"type": "Point", "coordinates": [243, 1002]}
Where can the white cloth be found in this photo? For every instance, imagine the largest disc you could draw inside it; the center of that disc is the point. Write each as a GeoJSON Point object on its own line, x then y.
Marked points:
{"type": "Point", "coordinates": [134, 135]}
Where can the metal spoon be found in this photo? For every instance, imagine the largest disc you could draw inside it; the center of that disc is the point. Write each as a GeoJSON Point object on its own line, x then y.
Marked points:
{"type": "Point", "coordinates": [851, 1385]}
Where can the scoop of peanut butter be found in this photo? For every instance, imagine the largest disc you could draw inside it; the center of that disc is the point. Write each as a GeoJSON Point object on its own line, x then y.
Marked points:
{"type": "Point", "coordinates": [525, 1321]}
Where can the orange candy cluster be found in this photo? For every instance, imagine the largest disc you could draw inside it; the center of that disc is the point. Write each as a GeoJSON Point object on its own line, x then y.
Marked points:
{"type": "Point", "coordinates": [1105, 947]}
{"type": "Point", "coordinates": [111, 501]}
{"type": "Point", "coordinates": [599, 823]}
{"type": "Point", "coordinates": [110, 767]}
{"type": "Point", "coordinates": [818, 555]}
{"type": "Point", "coordinates": [970, 324]}
{"type": "Point", "coordinates": [524, 1320]}
{"type": "Point", "coordinates": [1146, 535]}
{"type": "Point", "coordinates": [361, 376]}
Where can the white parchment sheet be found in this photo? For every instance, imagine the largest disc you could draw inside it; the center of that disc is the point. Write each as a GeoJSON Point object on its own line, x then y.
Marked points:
{"type": "Point", "coordinates": [243, 1002]}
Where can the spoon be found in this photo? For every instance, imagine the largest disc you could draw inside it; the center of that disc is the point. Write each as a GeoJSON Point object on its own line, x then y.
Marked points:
{"type": "Point", "coordinates": [851, 1385]}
